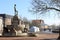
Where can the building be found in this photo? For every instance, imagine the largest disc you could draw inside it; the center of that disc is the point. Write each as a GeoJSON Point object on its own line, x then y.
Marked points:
{"type": "Point", "coordinates": [6, 19]}
{"type": "Point", "coordinates": [1, 26]}
{"type": "Point", "coordinates": [37, 22]}
{"type": "Point", "coordinates": [40, 24]}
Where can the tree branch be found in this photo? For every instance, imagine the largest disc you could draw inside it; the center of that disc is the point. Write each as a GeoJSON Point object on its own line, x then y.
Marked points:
{"type": "Point", "coordinates": [53, 8]}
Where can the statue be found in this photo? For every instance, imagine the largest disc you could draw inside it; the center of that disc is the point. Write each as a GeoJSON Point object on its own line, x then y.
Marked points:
{"type": "Point", "coordinates": [16, 12]}
{"type": "Point", "coordinates": [15, 19]}
{"type": "Point", "coordinates": [10, 30]}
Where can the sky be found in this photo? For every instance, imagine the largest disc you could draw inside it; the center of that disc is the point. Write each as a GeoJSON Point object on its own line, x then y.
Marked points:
{"type": "Point", "coordinates": [7, 7]}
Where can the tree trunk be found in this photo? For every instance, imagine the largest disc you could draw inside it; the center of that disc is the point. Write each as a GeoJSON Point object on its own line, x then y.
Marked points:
{"type": "Point", "coordinates": [59, 34]}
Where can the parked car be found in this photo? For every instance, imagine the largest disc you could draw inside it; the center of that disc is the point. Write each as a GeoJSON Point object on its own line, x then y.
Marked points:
{"type": "Point", "coordinates": [55, 30]}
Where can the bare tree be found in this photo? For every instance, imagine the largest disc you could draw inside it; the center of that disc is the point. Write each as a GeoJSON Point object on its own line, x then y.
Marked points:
{"type": "Point", "coordinates": [43, 6]}
{"type": "Point", "coordinates": [40, 6]}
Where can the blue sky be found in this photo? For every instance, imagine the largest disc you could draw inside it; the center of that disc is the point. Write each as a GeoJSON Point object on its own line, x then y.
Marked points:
{"type": "Point", "coordinates": [7, 7]}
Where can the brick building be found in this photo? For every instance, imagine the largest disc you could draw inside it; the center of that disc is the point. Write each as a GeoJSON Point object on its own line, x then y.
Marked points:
{"type": "Point", "coordinates": [37, 22]}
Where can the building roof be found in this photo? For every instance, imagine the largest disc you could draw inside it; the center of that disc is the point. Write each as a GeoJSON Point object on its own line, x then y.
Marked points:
{"type": "Point", "coordinates": [6, 16]}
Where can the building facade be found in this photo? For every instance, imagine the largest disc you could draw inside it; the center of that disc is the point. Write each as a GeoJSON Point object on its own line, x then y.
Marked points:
{"type": "Point", "coordinates": [37, 22]}
{"type": "Point", "coordinates": [6, 19]}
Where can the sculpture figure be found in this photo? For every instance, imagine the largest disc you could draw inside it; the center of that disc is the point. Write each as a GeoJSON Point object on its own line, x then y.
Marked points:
{"type": "Point", "coordinates": [16, 12]}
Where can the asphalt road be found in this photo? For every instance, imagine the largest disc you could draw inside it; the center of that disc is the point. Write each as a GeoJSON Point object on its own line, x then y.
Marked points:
{"type": "Point", "coordinates": [39, 37]}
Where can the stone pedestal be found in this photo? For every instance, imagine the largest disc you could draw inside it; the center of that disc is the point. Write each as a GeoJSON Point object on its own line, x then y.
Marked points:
{"type": "Point", "coordinates": [9, 31]}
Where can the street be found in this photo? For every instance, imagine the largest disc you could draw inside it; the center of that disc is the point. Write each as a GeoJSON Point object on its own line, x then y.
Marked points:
{"type": "Point", "coordinates": [39, 37]}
